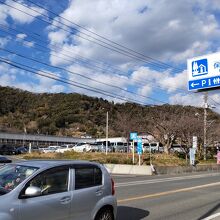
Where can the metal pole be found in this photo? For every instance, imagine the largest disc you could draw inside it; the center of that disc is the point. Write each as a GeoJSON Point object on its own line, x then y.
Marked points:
{"type": "Point", "coordinates": [133, 152]}
{"type": "Point", "coordinates": [106, 144]}
{"type": "Point", "coordinates": [205, 123]}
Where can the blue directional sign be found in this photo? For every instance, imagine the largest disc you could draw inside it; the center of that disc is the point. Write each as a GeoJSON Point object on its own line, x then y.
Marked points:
{"type": "Point", "coordinates": [204, 83]}
{"type": "Point", "coordinates": [204, 72]}
{"type": "Point", "coordinates": [139, 146]}
{"type": "Point", "coordinates": [133, 136]}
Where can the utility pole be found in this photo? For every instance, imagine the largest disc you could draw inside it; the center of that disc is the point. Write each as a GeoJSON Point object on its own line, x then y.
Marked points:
{"type": "Point", "coordinates": [205, 123]}
{"type": "Point", "coordinates": [106, 133]}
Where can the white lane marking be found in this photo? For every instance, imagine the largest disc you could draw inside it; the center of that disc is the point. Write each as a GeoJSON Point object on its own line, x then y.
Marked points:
{"type": "Point", "coordinates": [212, 216]}
{"type": "Point", "coordinates": [168, 192]}
{"type": "Point", "coordinates": [143, 182]}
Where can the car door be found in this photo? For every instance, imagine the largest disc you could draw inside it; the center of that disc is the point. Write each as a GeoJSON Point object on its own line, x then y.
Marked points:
{"type": "Point", "coordinates": [55, 199]}
{"type": "Point", "coordinates": [87, 192]}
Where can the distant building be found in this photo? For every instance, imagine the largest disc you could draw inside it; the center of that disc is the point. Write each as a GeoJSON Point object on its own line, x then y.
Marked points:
{"type": "Point", "coordinates": [39, 140]}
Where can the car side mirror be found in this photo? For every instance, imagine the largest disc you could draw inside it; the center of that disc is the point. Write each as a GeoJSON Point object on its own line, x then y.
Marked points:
{"type": "Point", "coordinates": [32, 191]}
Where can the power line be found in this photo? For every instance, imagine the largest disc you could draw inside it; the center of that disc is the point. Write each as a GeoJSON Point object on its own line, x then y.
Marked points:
{"type": "Point", "coordinates": [86, 62]}
{"type": "Point", "coordinates": [113, 48]}
{"type": "Point", "coordinates": [216, 103]}
{"type": "Point", "coordinates": [81, 58]}
{"type": "Point", "coordinates": [84, 76]}
{"type": "Point", "coordinates": [48, 17]}
{"type": "Point", "coordinates": [100, 36]}
{"type": "Point", "coordinates": [67, 81]}
{"type": "Point", "coordinates": [81, 75]}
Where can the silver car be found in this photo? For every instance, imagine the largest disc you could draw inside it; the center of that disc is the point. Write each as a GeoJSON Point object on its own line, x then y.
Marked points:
{"type": "Point", "coordinates": [56, 190]}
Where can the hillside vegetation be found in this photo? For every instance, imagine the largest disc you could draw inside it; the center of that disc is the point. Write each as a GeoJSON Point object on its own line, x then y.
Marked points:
{"type": "Point", "coordinates": [80, 115]}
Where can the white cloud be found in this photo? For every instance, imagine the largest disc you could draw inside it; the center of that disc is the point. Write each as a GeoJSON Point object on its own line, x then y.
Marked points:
{"type": "Point", "coordinates": [145, 90]}
{"type": "Point", "coordinates": [197, 99]}
{"type": "Point", "coordinates": [21, 36]}
{"type": "Point", "coordinates": [46, 84]}
{"type": "Point", "coordinates": [100, 80]}
{"type": "Point", "coordinates": [6, 79]}
{"type": "Point", "coordinates": [15, 12]}
{"type": "Point", "coordinates": [160, 29]}
{"type": "Point", "coordinates": [173, 83]}
{"type": "Point", "coordinates": [187, 99]}
{"type": "Point", "coordinates": [57, 37]}
{"type": "Point", "coordinates": [145, 74]}
{"type": "Point", "coordinates": [163, 30]}
{"type": "Point", "coordinates": [164, 80]}
{"type": "Point", "coordinates": [34, 83]}
{"type": "Point", "coordinates": [28, 43]}
{"type": "Point", "coordinates": [195, 49]}
{"type": "Point", "coordinates": [4, 41]}
{"type": "Point", "coordinates": [3, 14]}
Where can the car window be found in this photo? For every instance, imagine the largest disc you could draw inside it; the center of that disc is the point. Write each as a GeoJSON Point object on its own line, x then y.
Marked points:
{"type": "Point", "coordinates": [12, 175]}
{"type": "Point", "coordinates": [87, 177]}
{"type": "Point", "coordinates": [52, 181]}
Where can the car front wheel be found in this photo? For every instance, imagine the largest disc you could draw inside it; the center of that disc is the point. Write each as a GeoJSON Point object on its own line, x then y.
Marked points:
{"type": "Point", "coordinates": [105, 214]}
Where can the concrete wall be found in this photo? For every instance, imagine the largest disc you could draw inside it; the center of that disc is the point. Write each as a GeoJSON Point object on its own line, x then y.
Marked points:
{"type": "Point", "coordinates": [159, 170]}
{"type": "Point", "coordinates": [186, 169]}
{"type": "Point", "coordinates": [128, 169]}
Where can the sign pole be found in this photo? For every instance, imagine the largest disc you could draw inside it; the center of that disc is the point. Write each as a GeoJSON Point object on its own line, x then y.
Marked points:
{"type": "Point", "coordinates": [133, 137]}
{"type": "Point", "coordinates": [139, 149]}
{"type": "Point", "coordinates": [29, 149]}
{"type": "Point", "coordinates": [133, 152]}
{"type": "Point", "coordinates": [205, 123]}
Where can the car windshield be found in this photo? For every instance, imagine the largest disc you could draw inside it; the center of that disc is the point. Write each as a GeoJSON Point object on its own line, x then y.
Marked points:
{"type": "Point", "coordinates": [12, 175]}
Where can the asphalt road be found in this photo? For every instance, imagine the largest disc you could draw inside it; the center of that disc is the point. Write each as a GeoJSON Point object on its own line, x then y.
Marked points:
{"type": "Point", "coordinates": [183, 197]}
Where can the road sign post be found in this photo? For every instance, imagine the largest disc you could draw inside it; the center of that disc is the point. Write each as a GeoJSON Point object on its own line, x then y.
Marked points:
{"type": "Point", "coordinates": [133, 137]}
{"type": "Point", "coordinates": [203, 75]}
{"type": "Point", "coordinates": [139, 149]}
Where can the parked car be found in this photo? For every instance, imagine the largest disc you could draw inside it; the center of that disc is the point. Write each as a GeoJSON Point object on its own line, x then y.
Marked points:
{"type": "Point", "coordinates": [21, 150]}
{"type": "Point", "coordinates": [82, 147]}
{"type": "Point", "coordinates": [121, 147]}
{"type": "Point", "coordinates": [50, 149]}
{"type": "Point", "coordinates": [8, 150]}
{"type": "Point", "coordinates": [95, 147]}
{"type": "Point", "coordinates": [5, 160]}
{"type": "Point", "coordinates": [35, 149]}
{"type": "Point", "coordinates": [52, 189]}
{"type": "Point", "coordinates": [153, 147]}
{"type": "Point", "coordinates": [64, 148]}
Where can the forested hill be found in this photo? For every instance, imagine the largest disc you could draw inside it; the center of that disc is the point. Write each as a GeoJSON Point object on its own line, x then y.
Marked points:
{"type": "Point", "coordinates": [78, 115]}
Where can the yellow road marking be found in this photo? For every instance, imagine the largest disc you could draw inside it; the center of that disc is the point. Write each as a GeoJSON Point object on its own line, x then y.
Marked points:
{"type": "Point", "coordinates": [168, 192]}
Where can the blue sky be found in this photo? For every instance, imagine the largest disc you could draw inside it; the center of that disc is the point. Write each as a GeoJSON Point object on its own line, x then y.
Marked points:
{"type": "Point", "coordinates": [91, 44]}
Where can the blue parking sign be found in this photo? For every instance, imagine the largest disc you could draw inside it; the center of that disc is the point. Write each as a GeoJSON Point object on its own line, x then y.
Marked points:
{"type": "Point", "coordinates": [133, 136]}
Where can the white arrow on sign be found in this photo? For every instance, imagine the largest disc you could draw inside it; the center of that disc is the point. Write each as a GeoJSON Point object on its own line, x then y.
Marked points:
{"type": "Point", "coordinates": [194, 84]}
